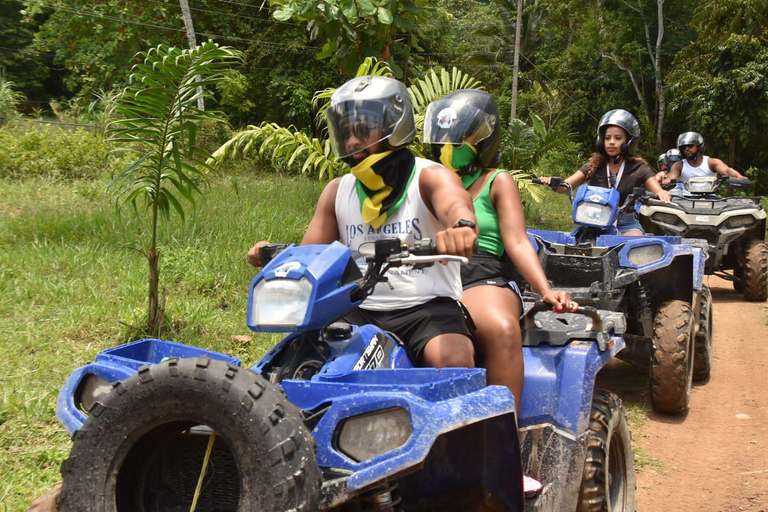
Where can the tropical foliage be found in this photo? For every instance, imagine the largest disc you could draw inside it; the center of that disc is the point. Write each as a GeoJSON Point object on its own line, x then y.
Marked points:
{"type": "Point", "coordinates": [293, 148]}
{"type": "Point", "coordinates": [9, 97]}
{"type": "Point", "coordinates": [159, 127]}
{"type": "Point", "coordinates": [352, 30]}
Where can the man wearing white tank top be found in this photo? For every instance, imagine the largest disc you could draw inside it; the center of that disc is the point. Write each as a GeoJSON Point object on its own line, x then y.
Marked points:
{"type": "Point", "coordinates": [391, 193]}
{"type": "Point", "coordinates": [695, 163]}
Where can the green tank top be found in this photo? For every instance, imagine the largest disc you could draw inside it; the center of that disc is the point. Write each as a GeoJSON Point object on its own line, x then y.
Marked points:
{"type": "Point", "coordinates": [489, 239]}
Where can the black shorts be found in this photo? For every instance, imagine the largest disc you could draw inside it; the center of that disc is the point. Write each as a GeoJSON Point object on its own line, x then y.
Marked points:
{"type": "Point", "coordinates": [485, 269]}
{"type": "Point", "coordinates": [416, 326]}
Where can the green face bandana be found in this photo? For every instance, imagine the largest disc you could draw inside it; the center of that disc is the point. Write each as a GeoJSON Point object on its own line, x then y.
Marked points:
{"type": "Point", "coordinates": [459, 160]}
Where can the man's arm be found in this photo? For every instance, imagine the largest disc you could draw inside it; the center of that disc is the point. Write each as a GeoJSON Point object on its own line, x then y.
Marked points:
{"type": "Point", "coordinates": [721, 167]}
{"type": "Point", "coordinates": [323, 228]}
{"type": "Point", "coordinates": [674, 172]}
{"type": "Point", "coordinates": [446, 198]}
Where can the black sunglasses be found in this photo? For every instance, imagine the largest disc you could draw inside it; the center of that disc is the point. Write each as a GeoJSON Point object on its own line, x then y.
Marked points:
{"type": "Point", "coordinates": [686, 146]}
{"type": "Point", "coordinates": [361, 131]}
{"type": "Point", "coordinates": [612, 180]}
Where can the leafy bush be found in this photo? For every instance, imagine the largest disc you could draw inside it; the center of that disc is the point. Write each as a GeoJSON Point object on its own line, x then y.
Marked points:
{"type": "Point", "coordinates": [51, 152]}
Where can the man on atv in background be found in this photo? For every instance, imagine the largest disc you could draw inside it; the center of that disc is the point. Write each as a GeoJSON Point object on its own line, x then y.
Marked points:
{"type": "Point", "coordinates": [695, 163]}
{"type": "Point", "coordinates": [392, 193]}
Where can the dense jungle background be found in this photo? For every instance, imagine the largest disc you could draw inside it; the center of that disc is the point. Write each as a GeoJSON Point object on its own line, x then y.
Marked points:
{"type": "Point", "coordinates": [678, 65]}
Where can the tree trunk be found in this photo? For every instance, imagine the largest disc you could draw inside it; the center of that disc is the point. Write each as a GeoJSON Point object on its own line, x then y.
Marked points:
{"type": "Point", "coordinates": [516, 69]}
{"type": "Point", "coordinates": [661, 103]}
{"type": "Point", "coordinates": [192, 44]}
{"type": "Point", "coordinates": [155, 313]}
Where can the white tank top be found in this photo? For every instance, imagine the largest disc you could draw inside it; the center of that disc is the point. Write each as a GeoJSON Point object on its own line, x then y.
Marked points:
{"type": "Point", "coordinates": [689, 171]}
{"type": "Point", "coordinates": [412, 221]}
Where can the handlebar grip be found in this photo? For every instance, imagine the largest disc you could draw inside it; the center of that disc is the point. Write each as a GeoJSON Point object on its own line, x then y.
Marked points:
{"type": "Point", "coordinates": [424, 247]}
{"type": "Point", "coordinates": [555, 182]}
{"type": "Point", "coordinates": [540, 306]}
{"type": "Point", "coordinates": [269, 251]}
{"type": "Point", "coordinates": [427, 247]}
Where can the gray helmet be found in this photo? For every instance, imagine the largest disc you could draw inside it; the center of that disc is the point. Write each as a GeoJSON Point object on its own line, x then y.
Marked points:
{"type": "Point", "coordinates": [466, 115]}
{"type": "Point", "coordinates": [673, 155]}
{"type": "Point", "coordinates": [662, 159]}
{"type": "Point", "coordinates": [688, 139]}
{"type": "Point", "coordinates": [624, 120]}
{"type": "Point", "coordinates": [372, 101]}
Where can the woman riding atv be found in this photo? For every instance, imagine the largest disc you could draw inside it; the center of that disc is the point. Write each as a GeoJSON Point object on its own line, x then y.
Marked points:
{"type": "Point", "coordinates": [615, 166]}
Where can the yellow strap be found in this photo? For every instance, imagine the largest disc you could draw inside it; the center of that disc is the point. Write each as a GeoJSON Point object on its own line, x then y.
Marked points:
{"type": "Point", "coordinates": [207, 457]}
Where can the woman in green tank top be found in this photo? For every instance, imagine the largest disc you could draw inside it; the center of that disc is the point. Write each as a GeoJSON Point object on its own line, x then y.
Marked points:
{"type": "Point", "coordinates": [463, 131]}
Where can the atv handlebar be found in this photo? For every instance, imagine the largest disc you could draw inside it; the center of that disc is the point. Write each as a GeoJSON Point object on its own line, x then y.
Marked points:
{"type": "Point", "coordinates": [540, 306]}
{"type": "Point", "coordinates": [728, 181]}
{"type": "Point", "coordinates": [392, 252]}
{"type": "Point", "coordinates": [597, 321]}
{"type": "Point", "coordinates": [555, 182]}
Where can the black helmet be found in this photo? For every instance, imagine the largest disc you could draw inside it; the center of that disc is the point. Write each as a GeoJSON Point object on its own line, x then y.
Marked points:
{"type": "Point", "coordinates": [673, 155]}
{"type": "Point", "coordinates": [688, 139]}
{"type": "Point", "coordinates": [466, 115]}
{"type": "Point", "coordinates": [382, 102]}
{"type": "Point", "coordinates": [624, 120]}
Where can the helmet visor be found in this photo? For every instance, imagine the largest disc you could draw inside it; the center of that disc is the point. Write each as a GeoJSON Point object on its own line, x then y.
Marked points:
{"type": "Point", "coordinates": [356, 125]}
{"type": "Point", "coordinates": [456, 122]}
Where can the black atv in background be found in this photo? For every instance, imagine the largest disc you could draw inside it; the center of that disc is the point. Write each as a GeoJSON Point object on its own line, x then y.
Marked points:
{"type": "Point", "coordinates": [734, 228]}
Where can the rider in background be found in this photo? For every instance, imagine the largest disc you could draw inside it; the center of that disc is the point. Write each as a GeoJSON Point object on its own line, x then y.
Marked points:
{"type": "Point", "coordinates": [463, 130]}
{"type": "Point", "coordinates": [390, 192]}
{"type": "Point", "coordinates": [691, 147]}
{"type": "Point", "coordinates": [663, 167]}
{"type": "Point", "coordinates": [615, 166]}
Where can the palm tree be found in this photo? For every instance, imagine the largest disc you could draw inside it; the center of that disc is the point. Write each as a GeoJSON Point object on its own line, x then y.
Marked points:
{"type": "Point", "coordinates": [160, 127]}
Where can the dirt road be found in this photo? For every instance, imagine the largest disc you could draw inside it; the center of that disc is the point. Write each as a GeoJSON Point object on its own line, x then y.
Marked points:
{"type": "Point", "coordinates": [714, 457]}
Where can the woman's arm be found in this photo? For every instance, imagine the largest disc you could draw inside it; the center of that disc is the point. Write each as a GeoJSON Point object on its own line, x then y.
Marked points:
{"type": "Point", "coordinates": [652, 186]}
{"type": "Point", "coordinates": [505, 198]}
{"type": "Point", "coordinates": [575, 180]}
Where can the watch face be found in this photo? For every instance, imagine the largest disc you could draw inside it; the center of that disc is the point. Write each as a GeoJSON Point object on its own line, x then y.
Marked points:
{"type": "Point", "coordinates": [463, 223]}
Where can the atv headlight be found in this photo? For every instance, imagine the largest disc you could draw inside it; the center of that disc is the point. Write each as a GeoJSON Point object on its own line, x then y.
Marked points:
{"type": "Point", "coordinates": [701, 186]}
{"type": "Point", "coordinates": [645, 254]}
{"type": "Point", "coordinates": [740, 221]}
{"type": "Point", "coordinates": [280, 301]}
{"type": "Point", "coordinates": [665, 218]}
{"type": "Point", "coordinates": [593, 213]}
{"type": "Point", "coordinates": [368, 435]}
{"type": "Point", "coordinates": [92, 389]}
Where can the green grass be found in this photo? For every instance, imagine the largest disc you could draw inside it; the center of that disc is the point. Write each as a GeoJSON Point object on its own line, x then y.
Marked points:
{"type": "Point", "coordinates": [69, 282]}
{"type": "Point", "coordinates": [552, 213]}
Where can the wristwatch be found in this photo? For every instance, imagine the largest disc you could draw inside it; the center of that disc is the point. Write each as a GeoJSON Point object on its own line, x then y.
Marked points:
{"type": "Point", "coordinates": [464, 223]}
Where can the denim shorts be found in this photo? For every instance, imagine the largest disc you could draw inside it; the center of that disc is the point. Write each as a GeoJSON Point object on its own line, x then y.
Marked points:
{"type": "Point", "coordinates": [628, 222]}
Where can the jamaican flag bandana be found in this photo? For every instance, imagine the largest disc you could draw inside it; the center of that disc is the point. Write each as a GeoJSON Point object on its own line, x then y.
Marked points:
{"type": "Point", "coordinates": [460, 160]}
{"type": "Point", "coordinates": [382, 182]}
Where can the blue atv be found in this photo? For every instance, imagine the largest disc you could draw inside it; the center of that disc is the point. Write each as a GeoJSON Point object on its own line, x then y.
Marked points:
{"type": "Point", "coordinates": [336, 417]}
{"type": "Point", "coordinates": [655, 281]}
